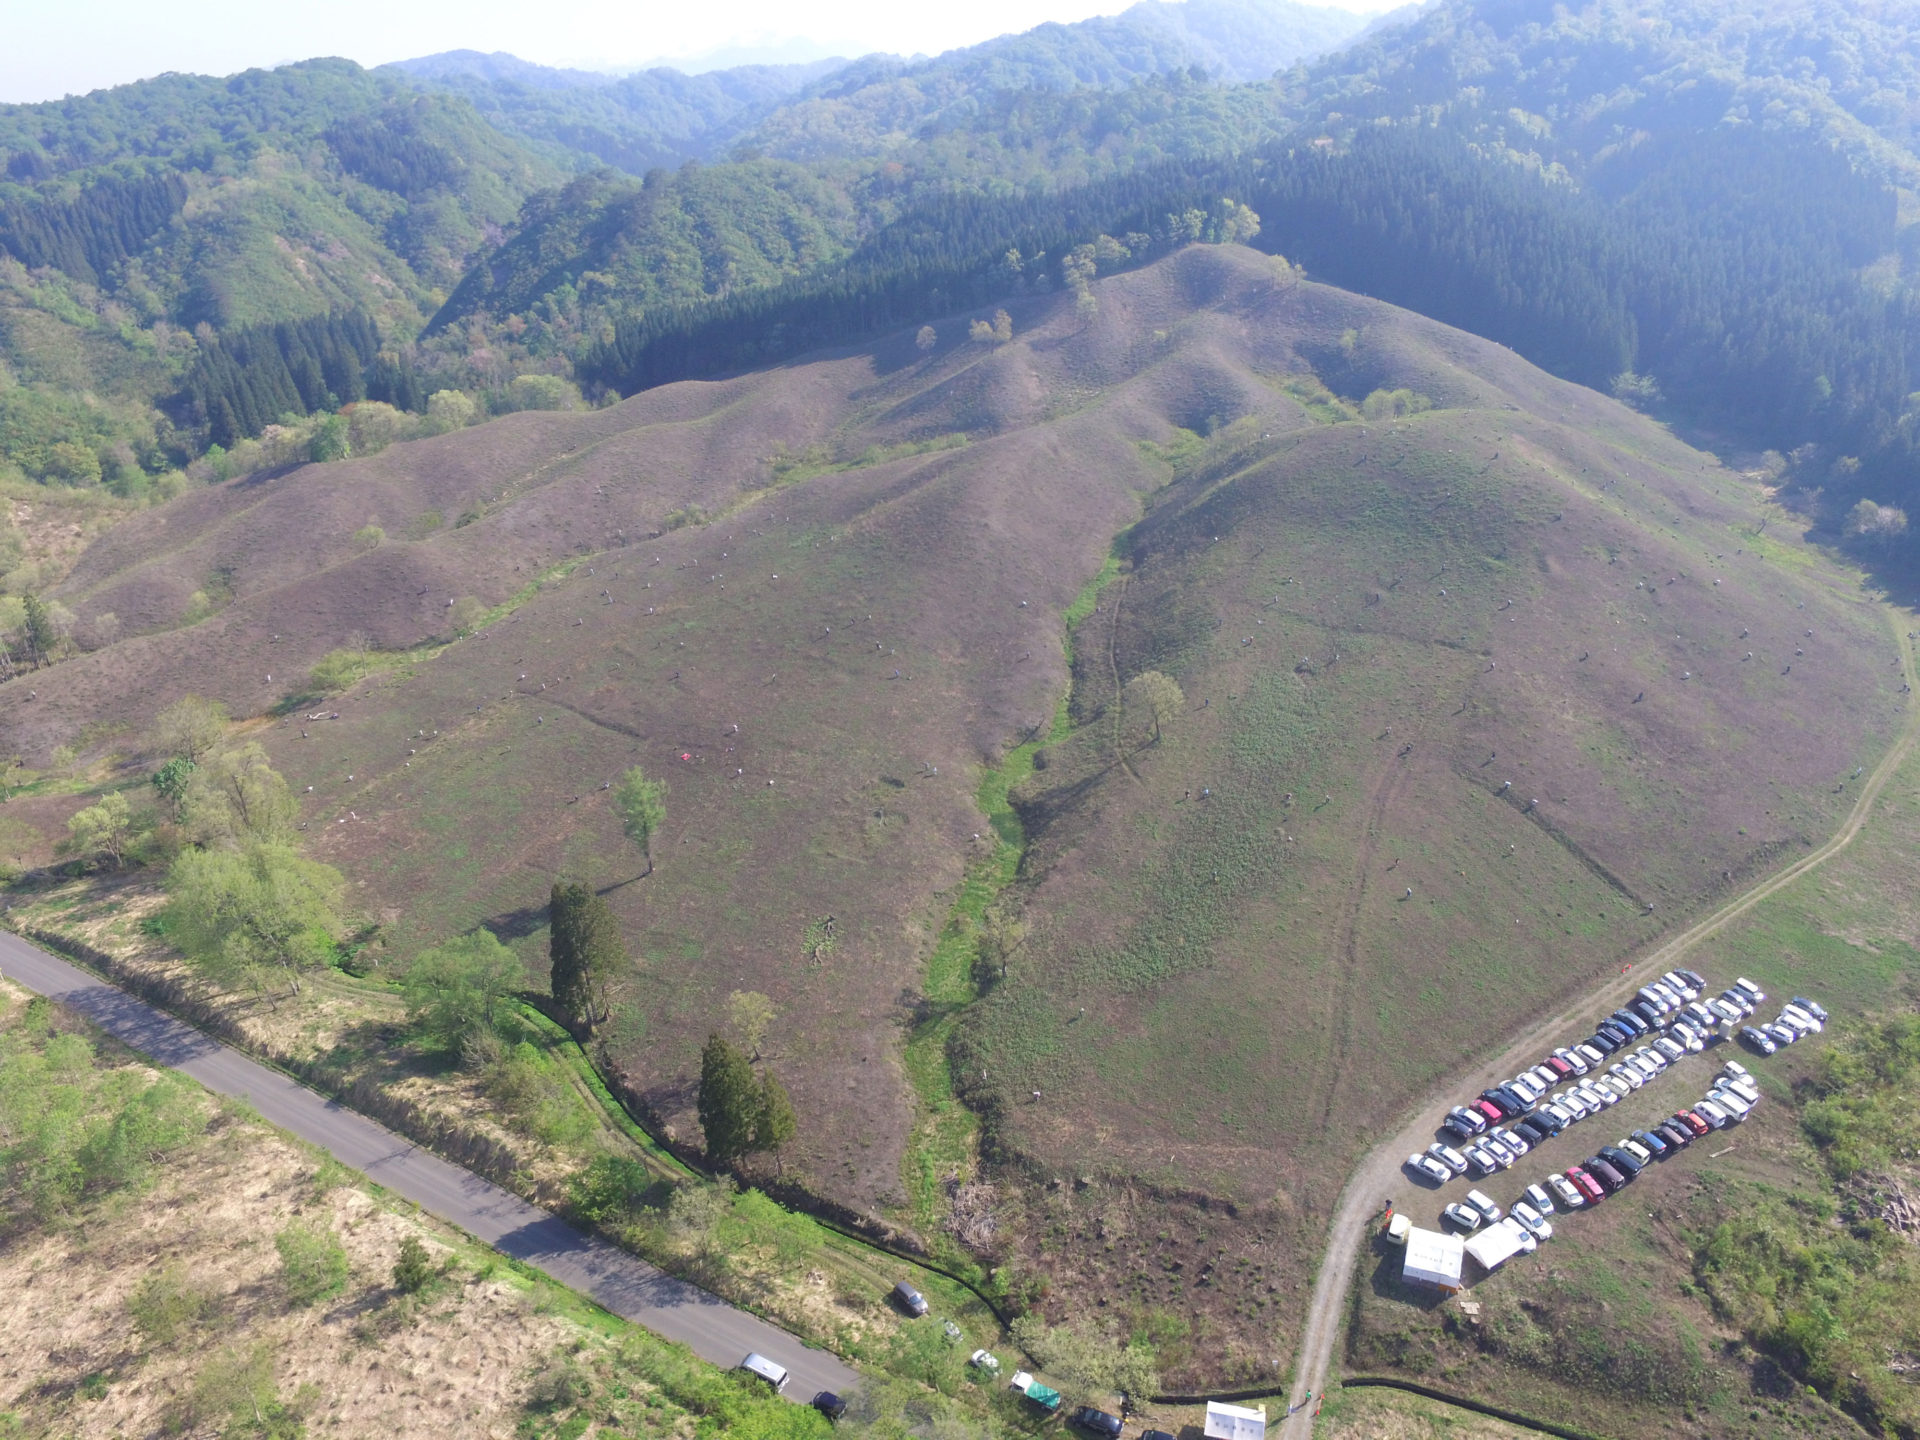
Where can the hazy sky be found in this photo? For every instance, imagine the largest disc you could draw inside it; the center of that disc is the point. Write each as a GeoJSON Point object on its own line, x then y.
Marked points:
{"type": "Point", "coordinates": [51, 48]}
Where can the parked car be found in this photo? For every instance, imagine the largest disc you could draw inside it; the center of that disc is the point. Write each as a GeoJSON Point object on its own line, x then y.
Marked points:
{"type": "Point", "coordinates": [1653, 1014]}
{"type": "Point", "coordinates": [1688, 1036]}
{"type": "Point", "coordinates": [1601, 1042]}
{"type": "Point", "coordinates": [1782, 1034]}
{"type": "Point", "coordinates": [1481, 1162]}
{"type": "Point", "coordinates": [1465, 1216]}
{"type": "Point", "coordinates": [1738, 999]}
{"type": "Point", "coordinates": [1544, 1076]}
{"type": "Point", "coordinates": [1586, 1184]}
{"type": "Point", "coordinates": [1540, 1199]}
{"type": "Point", "coordinates": [1560, 1067]}
{"type": "Point", "coordinates": [1532, 1219]}
{"type": "Point", "coordinates": [1674, 1133]}
{"type": "Point", "coordinates": [1758, 995]}
{"type": "Point", "coordinates": [1692, 977]}
{"type": "Point", "coordinates": [1570, 1101]}
{"type": "Point", "coordinates": [1505, 1103]}
{"type": "Point", "coordinates": [1483, 1203]}
{"type": "Point", "coordinates": [1428, 1166]}
{"type": "Point", "coordinates": [1602, 1170]}
{"type": "Point", "coordinates": [1497, 1146]}
{"type": "Point", "coordinates": [1098, 1422]}
{"type": "Point", "coordinates": [1795, 1015]}
{"type": "Point", "coordinates": [774, 1373]}
{"type": "Point", "coordinates": [985, 1360]}
{"type": "Point", "coordinates": [1449, 1157]}
{"type": "Point", "coordinates": [1810, 1007]}
{"type": "Point", "coordinates": [909, 1299]}
{"type": "Point", "coordinates": [1486, 1110]}
{"type": "Point", "coordinates": [829, 1404]}
{"type": "Point", "coordinates": [1533, 1129]}
{"type": "Point", "coordinates": [1473, 1120]}
{"type": "Point", "coordinates": [1623, 1160]}
{"type": "Point", "coordinates": [1587, 1053]}
{"type": "Point", "coordinates": [1612, 1085]}
{"type": "Point", "coordinates": [1456, 1132]}
{"type": "Point", "coordinates": [1652, 1062]}
{"type": "Point", "coordinates": [1621, 1070]}
{"type": "Point", "coordinates": [1758, 1039]}
{"type": "Point", "coordinates": [1526, 1087]}
{"type": "Point", "coordinates": [1729, 1013]}
{"type": "Point", "coordinates": [1566, 1191]}
{"type": "Point", "coordinates": [1743, 1086]}
{"type": "Point", "coordinates": [1156, 1435]}
{"type": "Point", "coordinates": [1652, 1144]}
{"type": "Point", "coordinates": [1735, 1104]}
{"type": "Point", "coordinates": [1670, 1049]}
{"type": "Point", "coordinates": [1734, 1067]}
{"type": "Point", "coordinates": [1638, 1151]}
{"type": "Point", "coordinates": [1513, 1141]}
{"type": "Point", "coordinates": [1572, 1059]}
{"type": "Point", "coordinates": [1695, 1125]}
{"type": "Point", "coordinates": [1711, 1113]}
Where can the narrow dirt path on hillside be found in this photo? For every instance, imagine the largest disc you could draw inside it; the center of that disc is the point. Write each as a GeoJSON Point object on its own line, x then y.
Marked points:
{"type": "Point", "coordinates": [1386, 790]}
{"type": "Point", "coordinates": [1379, 1174]}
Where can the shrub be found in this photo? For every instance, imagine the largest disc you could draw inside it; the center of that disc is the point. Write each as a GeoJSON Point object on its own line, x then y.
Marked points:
{"type": "Point", "coordinates": [414, 1269]}
{"type": "Point", "coordinates": [313, 1264]}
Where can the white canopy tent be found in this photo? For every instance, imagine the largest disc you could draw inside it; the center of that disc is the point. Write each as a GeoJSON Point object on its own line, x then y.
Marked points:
{"type": "Point", "coordinates": [1497, 1244]}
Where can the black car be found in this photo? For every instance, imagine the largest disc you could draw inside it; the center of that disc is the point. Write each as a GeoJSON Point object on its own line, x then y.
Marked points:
{"type": "Point", "coordinates": [1505, 1101]}
{"type": "Point", "coordinates": [1620, 1160]}
{"type": "Point", "coordinates": [830, 1404]}
{"type": "Point", "coordinates": [1693, 978]}
{"type": "Point", "coordinates": [1647, 1011]}
{"type": "Point", "coordinates": [1632, 1021]}
{"type": "Point", "coordinates": [1156, 1435]}
{"type": "Point", "coordinates": [1678, 1136]}
{"type": "Point", "coordinates": [1608, 1178]}
{"type": "Point", "coordinates": [1097, 1421]}
{"type": "Point", "coordinates": [1604, 1041]}
{"type": "Point", "coordinates": [1456, 1131]}
{"type": "Point", "coordinates": [1617, 1032]}
{"type": "Point", "coordinates": [1660, 1148]}
{"type": "Point", "coordinates": [1812, 1007]}
{"type": "Point", "coordinates": [1531, 1130]}
{"type": "Point", "coordinates": [1541, 1120]}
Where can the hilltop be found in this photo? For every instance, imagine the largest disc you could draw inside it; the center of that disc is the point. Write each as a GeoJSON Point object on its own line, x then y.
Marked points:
{"type": "Point", "coordinates": [1394, 535]}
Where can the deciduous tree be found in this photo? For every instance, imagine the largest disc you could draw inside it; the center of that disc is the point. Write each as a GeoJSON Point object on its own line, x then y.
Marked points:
{"type": "Point", "coordinates": [103, 828]}
{"type": "Point", "coordinates": [750, 1013]}
{"type": "Point", "coordinates": [457, 988]}
{"type": "Point", "coordinates": [641, 805]}
{"type": "Point", "coordinates": [188, 729]}
{"type": "Point", "coordinates": [242, 913]}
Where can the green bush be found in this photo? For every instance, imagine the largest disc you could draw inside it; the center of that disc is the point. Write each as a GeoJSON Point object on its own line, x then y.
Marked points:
{"type": "Point", "coordinates": [313, 1264]}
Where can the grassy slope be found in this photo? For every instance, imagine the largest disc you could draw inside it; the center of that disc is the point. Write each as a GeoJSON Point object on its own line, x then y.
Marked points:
{"type": "Point", "coordinates": [873, 802]}
{"type": "Point", "coordinates": [1228, 992]}
{"type": "Point", "coordinates": [1846, 935]}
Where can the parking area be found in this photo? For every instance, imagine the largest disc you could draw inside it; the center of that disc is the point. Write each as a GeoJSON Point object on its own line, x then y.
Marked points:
{"type": "Point", "coordinates": [1511, 1168]}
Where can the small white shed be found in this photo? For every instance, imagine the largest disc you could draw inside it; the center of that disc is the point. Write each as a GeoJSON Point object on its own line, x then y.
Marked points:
{"type": "Point", "coordinates": [1236, 1422]}
{"type": "Point", "coordinates": [1434, 1259]}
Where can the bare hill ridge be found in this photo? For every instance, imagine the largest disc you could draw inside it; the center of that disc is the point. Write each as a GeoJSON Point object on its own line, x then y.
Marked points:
{"type": "Point", "coordinates": [875, 602]}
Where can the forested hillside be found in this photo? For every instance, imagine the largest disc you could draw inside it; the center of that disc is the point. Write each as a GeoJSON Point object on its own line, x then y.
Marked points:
{"type": "Point", "coordinates": [1702, 214]}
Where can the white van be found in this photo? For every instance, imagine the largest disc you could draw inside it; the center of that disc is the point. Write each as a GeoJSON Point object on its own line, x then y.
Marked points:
{"type": "Point", "coordinates": [774, 1375]}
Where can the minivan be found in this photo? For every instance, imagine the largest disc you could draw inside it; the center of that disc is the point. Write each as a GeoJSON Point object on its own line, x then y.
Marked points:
{"type": "Point", "coordinates": [909, 1299]}
{"type": "Point", "coordinates": [767, 1370]}
{"type": "Point", "coordinates": [1811, 1007]}
{"type": "Point", "coordinates": [1609, 1178]}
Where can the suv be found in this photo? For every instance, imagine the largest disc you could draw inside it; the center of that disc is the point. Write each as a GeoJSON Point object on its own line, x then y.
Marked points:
{"type": "Point", "coordinates": [1098, 1421]}
{"type": "Point", "coordinates": [1652, 1144]}
{"type": "Point", "coordinates": [1561, 1068]}
{"type": "Point", "coordinates": [1539, 1199]}
{"type": "Point", "coordinates": [1758, 1039]}
{"type": "Point", "coordinates": [909, 1299]}
{"type": "Point", "coordinates": [1484, 1204]}
{"type": "Point", "coordinates": [1464, 1216]}
{"type": "Point", "coordinates": [1475, 1122]}
{"type": "Point", "coordinates": [1758, 996]}
{"type": "Point", "coordinates": [1811, 1007]}
{"type": "Point", "coordinates": [1608, 1178]}
{"type": "Point", "coordinates": [1675, 1133]}
{"type": "Point", "coordinates": [1524, 1212]}
{"type": "Point", "coordinates": [1586, 1185]}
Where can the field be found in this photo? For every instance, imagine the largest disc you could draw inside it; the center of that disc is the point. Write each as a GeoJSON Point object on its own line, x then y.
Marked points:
{"type": "Point", "coordinates": [1391, 566]}
{"type": "Point", "coordinates": [1631, 1318]}
{"type": "Point", "coordinates": [160, 1301]}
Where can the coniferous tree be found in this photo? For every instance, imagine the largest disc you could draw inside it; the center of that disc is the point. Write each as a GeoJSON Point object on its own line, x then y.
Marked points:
{"type": "Point", "coordinates": [774, 1126]}
{"type": "Point", "coordinates": [731, 1102]}
{"type": "Point", "coordinates": [585, 949]}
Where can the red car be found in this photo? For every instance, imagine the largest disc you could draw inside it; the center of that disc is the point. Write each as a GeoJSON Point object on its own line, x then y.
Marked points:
{"type": "Point", "coordinates": [1558, 1066]}
{"type": "Point", "coordinates": [1694, 1123]}
{"type": "Point", "coordinates": [1487, 1108]}
{"type": "Point", "coordinates": [1586, 1185]}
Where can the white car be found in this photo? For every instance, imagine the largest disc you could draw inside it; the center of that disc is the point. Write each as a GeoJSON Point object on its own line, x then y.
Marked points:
{"type": "Point", "coordinates": [1592, 1056]}
{"type": "Point", "coordinates": [1429, 1167]}
{"type": "Point", "coordinates": [1512, 1141]}
{"type": "Point", "coordinates": [1532, 1219]}
{"type": "Point", "coordinates": [1539, 1199]}
{"type": "Point", "coordinates": [1759, 995]}
{"type": "Point", "coordinates": [1734, 1067]}
{"type": "Point", "coordinates": [1526, 1087]}
{"type": "Point", "coordinates": [1804, 1017]}
{"type": "Point", "coordinates": [1449, 1157]}
{"type": "Point", "coordinates": [1671, 1050]}
{"type": "Point", "coordinates": [1484, 1204]}
{"type": "Point", "coordinates": [1573, 1058]}
{"type": "Point", "coordinates": [1561, 1115]}
{"type": "Point", "coordinates": [1736, 1106]}
{"type": "Point", "coordinates": [1651, 1060]}
{"type": "Point", "coordinates": [1743, 1086]}
{"type": "Point", "coordinates": [1569, 1193]}
{"type": "Point", "coordinates": [1570, 1101]}
{"type": "Point", "coordinates": [1625, 1073]}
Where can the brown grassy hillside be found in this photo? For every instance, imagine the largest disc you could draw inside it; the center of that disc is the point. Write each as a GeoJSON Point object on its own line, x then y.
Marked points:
{"type": "Point", "coordinates": [1257, 988]}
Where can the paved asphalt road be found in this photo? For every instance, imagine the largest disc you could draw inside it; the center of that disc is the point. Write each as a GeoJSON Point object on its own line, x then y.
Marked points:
{"type": "Point", "coordinates": [631, 1288]}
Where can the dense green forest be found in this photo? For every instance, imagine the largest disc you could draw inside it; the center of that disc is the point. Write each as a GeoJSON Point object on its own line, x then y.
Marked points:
{"type": "Point", "coordinates": [1708, 214]}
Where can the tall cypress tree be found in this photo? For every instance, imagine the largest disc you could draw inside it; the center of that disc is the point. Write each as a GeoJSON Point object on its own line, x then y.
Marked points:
{"type": "Point", "coordinates": [586, 951]}
{"type": "Point", "coordinates": [730, 1101]}
{"type": "Point", "coordinates": [775, 1123]}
